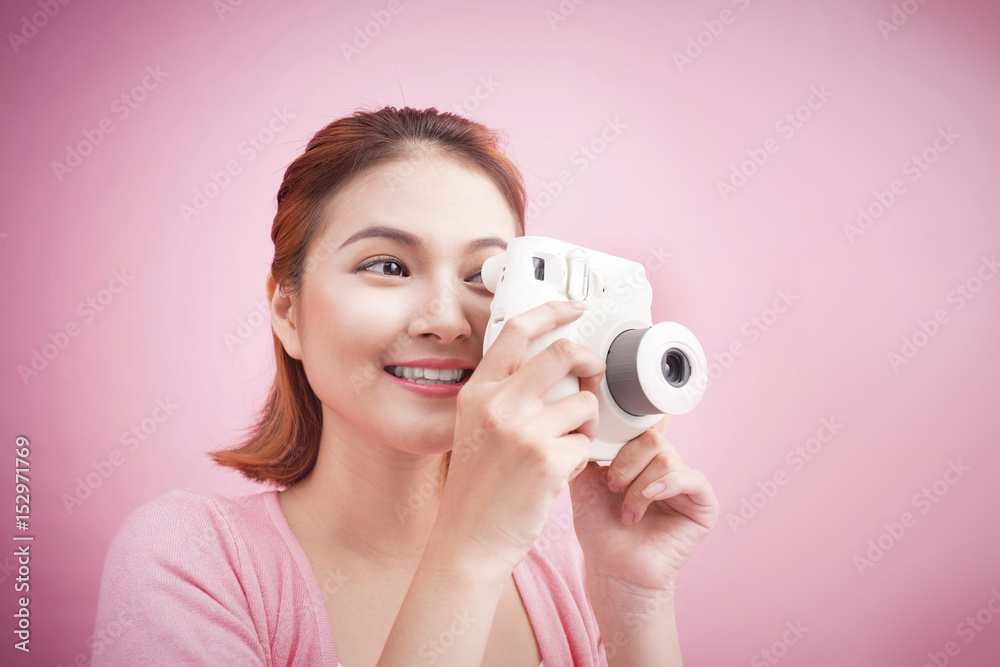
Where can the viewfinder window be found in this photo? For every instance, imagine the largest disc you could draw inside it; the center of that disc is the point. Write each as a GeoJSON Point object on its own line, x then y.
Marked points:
{"type": "Point", "coordinates": [539, 268]}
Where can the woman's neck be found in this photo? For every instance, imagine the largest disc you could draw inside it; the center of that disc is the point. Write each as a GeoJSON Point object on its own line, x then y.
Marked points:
{"type": "Point", "coordinates": [373, 501]}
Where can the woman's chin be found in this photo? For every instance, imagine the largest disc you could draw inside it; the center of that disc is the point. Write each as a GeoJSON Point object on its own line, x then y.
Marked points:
{"type": "Point", "coordinates": [422, 440]}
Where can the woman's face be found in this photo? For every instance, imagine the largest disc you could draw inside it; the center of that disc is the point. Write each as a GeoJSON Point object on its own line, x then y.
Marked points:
{"type": "Point", "coordinates": [392, 292]}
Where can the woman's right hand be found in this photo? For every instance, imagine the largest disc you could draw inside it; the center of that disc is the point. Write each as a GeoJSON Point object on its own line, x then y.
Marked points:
{"type": "Point", "coordinates": [512, 453]}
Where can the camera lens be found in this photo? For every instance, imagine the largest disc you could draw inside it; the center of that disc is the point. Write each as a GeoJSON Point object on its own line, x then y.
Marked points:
{"type": "Point", "coordinates": [675, 367]}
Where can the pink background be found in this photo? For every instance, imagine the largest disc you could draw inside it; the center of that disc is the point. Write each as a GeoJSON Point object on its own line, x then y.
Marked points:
{"type": "Point", "coordinates": [653, 188]}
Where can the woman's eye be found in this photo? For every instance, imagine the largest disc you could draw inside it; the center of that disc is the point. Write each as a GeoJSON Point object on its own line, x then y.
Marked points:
{"type": "Point", "coordinates": [476, 277]}
{"type": "Point", "coordinates": [386, 267]}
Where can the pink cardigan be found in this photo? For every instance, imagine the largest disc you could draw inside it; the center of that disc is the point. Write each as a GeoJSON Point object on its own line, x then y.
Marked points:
{"type": "Point", "coordinates": [193, 578]}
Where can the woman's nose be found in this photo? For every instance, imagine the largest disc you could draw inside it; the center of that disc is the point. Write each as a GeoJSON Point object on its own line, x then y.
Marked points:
{"type": "Point", "coordinates": [441, 315]}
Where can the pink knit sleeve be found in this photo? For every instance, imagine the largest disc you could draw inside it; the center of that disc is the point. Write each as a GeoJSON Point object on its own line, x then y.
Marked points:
{"type": "Point", "coordinates": [552, 581]}
{"type": "Point", "coordinates": [170, 592]}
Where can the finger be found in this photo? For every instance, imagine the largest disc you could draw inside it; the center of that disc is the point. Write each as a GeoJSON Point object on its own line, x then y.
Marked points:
{"type": "Point", "coordinates": [686, 490]}
{"type": "Point", "coordinates": [634, 457]}
{"type": "Point", "coordinates": [574, 453]}
{"type": "Point", "coordinates": [563, 357]}
{"type": "Point", "coordinates": [649, 482]}
{"type": "Point", "coordinates": [592, 383]}
{"type": "Point", "coordinates": [576, 413]}
{"type": "Point", "coordinates": [507, 352]}
{"type": "Point", "coordinates": [661, 426]}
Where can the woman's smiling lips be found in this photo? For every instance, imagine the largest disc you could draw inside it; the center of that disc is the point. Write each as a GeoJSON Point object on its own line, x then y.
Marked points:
{"type": "Point", "coordinates": [434, 377]}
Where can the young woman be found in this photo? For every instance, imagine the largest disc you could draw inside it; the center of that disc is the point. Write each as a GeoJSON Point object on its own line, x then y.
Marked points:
{"type": "Point", "coordinates": [417, 474]}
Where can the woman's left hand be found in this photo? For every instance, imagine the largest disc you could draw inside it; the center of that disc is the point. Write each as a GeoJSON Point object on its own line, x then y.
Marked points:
{"type": "Point", "coordinates": [639, 519]}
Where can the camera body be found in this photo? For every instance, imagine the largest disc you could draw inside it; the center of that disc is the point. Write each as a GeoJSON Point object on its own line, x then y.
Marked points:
{"type": "Point", "coordinates": [652, 369]}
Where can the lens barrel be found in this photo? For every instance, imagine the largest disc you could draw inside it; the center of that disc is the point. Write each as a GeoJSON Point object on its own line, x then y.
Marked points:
{"type": "Point", "coordinates": [622, 374]}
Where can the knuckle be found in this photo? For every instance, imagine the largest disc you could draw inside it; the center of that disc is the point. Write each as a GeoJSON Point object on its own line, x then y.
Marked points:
{"type": "Point", "coordinates": [495, 416]}
{"type": "Point", "coordinates": [589, 400]}
{"type": "Point", "coordinates": [525, 450]}
{"type": "Point", "coordinates": [467, 399]}
{"type": "Point", "coordinates": [638, 500]}
{"type": "Point", "coordinates": [562, 348]}
{"type": "Point", "coordinates": [620, 472]}
{"type": "Point", "coordinates": [515, 328]}
{"type": "Point", "coordinates": [663, 461]}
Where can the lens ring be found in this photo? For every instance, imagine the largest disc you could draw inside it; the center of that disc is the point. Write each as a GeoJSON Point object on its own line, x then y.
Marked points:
{"type": "Point", "coordinates": [676, 367]}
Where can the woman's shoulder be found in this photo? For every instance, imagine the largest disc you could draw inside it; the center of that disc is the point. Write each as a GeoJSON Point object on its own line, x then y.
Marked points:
{"type": "Point", "coordinates": [190, 518]}
{"type": "Point", "coordinates": [194, 574]}
{"type": "Point", "coordinates": [187, 533]}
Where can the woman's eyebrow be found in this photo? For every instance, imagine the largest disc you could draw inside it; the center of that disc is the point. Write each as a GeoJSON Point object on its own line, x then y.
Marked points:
{"type": "Point", "coordinates": [408, 239]}
{"type": "Point", "coordinates": [384, 232]}
{"type": "Point", "coordinates": [490, 242]}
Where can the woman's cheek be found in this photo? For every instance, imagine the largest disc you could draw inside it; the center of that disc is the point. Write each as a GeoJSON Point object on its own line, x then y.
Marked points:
{"type": "Point", "coordinates": [479, 316]}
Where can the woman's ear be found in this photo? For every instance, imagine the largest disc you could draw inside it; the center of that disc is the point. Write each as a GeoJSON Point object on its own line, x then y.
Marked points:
{"type": "Point", "coordinates": [284, 320]}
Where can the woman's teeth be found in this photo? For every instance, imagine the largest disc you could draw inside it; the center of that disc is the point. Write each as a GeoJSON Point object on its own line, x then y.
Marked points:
{"type": "Point", "coordinates": [430, 375]}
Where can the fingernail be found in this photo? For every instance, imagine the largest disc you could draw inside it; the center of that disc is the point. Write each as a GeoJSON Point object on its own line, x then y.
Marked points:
{"type": "Point", "coordinates": [614, 487]}
{"type": "Point", "coordinates": [578, 305]}
{"type": "Point", "coordinates": [628, 514]}
{"type": "Point", "coordinates": [654, 489]}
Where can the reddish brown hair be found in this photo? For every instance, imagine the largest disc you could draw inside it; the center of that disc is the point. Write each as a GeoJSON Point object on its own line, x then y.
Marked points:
{"type": "Point", "coordinates": [282, 444]}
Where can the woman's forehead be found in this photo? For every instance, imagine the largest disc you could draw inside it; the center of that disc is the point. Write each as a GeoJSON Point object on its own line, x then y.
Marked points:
{"type": "Point", "coordinates": [428, 197]}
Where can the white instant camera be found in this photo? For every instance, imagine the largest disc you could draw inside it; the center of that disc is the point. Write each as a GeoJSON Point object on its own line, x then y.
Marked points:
{"type": "Point", "coordinates": [652, 369]}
